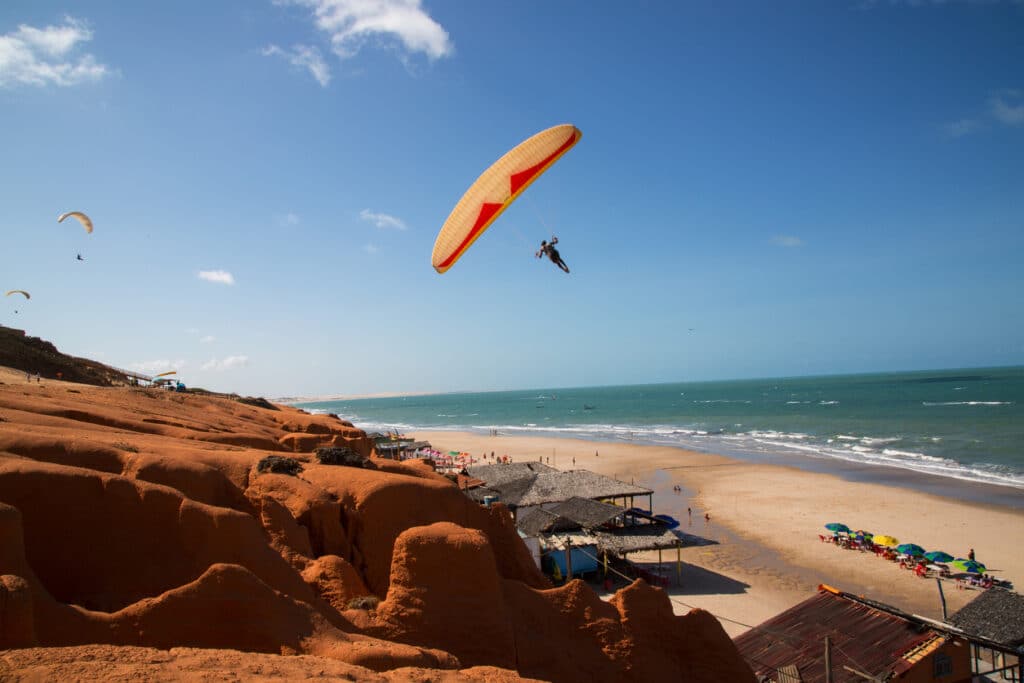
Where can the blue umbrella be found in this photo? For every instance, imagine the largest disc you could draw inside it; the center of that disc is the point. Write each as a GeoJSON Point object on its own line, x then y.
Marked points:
{"type": "Point", "coordinates": [968, 566]}
{"type": "Point", "coordinates": [837, 526]}
{"type": "Point", "coordinates": [938, 556]}
{"type": "Point", "coordinates": [911, 549]}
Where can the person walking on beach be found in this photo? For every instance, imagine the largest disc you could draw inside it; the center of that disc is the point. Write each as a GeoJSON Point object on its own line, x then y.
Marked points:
{"type": "Point", "coordinates": [970, 555]}
{"type": "Point", "coordinates": [548, 249]}
{"type": "Point", "coordinates": [707, 518]}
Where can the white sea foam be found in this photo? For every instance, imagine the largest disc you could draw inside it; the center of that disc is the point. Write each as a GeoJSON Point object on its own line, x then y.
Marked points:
{"type": "Point", "coordinates": [968, 403]}
{"type": "Point", "coordinates": [878, 441]}
{"type": "Point", "coordinates": [722, 400]}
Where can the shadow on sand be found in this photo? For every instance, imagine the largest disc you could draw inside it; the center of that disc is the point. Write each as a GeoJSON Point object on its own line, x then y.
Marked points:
{"type": "Point", "coordinates": [694, 580]}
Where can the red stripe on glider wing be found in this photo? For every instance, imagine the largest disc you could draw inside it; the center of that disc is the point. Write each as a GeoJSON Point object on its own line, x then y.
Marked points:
{"type": "Point", "coordinates": [487, 211]}
{"type": "Point", "coordinates": [517, 180]}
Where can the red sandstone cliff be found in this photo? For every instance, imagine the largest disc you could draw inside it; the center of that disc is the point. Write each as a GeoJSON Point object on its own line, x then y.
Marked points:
{"type": "Point", "coordinates": [133, 519]}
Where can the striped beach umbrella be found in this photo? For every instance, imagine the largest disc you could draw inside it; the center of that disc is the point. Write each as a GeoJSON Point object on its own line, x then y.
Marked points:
{"type": "Point", "coordinates": [968, 566]}
{"type": "Point", "coordinates": [938, 556]}
{"type": "Point", "coordinates": [912, 549]}
{"type": "Point", "coordinates": [888, 541]}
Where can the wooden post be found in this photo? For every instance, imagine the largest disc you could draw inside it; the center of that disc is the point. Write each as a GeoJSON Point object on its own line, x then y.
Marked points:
{"type": "Point", "coordinates": [679, 564]}
{"type": "Point", "coordinates": [828, 660]}
{"type": "Point", "coordinates": [568, 560]}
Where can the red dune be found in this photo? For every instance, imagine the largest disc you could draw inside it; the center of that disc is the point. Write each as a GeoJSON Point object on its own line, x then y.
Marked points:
{"type": "Point", "coordinates": [134, 519]}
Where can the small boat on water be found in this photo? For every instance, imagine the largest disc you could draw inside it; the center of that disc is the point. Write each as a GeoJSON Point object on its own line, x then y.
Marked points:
{"type": "Point", "coordinates": [587, 406]}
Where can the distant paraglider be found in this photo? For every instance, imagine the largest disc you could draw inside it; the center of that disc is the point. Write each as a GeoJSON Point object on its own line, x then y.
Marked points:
{"type": "Point", "coordinates": [19, 291]}
{"type": "Point", "coordinates": [82, 218]}
{"type": "Point", "coordinates": [496, 189]}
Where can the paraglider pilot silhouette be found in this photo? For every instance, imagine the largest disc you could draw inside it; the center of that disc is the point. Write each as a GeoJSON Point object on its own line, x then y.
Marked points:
{"type": "Point", "coordinates": [548, 248]}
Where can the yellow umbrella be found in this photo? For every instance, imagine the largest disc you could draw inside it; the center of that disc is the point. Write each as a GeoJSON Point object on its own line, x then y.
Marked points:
{"type": "Point", "coordinates": [886, 541]}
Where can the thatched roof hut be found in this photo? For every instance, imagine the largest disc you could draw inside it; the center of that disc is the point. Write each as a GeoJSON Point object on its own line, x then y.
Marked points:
{"type": "Point", "coordinates": [996, 615]}
{"type": "Point", "coordinates": [496, 475]}
{"type": "Point", "coordinates": [574, 513]}
{"type": "Point", "coordinates": [537, 484]}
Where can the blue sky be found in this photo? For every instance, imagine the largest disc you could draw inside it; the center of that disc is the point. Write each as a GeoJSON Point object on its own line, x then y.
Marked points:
{"type": "Point", "coordinates": [810, 187]}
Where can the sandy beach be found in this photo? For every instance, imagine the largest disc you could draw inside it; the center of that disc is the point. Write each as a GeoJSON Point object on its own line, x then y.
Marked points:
{"type": "Point", "coordinates": [766, 520]}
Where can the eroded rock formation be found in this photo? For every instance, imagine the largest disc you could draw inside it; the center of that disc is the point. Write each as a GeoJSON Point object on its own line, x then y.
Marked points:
{"type": "Point", "coordinates": [134, 519]}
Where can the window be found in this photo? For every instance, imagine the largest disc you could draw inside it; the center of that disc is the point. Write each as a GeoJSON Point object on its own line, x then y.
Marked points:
{"type": "Point", "coordinates": [942, 665]}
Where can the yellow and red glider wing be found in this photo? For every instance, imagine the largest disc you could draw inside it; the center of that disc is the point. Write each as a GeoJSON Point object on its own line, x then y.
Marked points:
{"type": "Point", "coordinates": [496, 188]}
{"type": "Point", "coordinates": [82, 218]}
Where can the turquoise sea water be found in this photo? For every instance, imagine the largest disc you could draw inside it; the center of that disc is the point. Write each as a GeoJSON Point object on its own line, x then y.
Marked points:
{"type": "Point", "coordinates": [963, 425]}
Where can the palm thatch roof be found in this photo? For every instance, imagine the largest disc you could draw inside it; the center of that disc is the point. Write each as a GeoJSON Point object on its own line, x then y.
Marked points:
{"type": "Point", "coordinates": [625, 540]}
{"type": "Point", "coordinates": [572, 514]}
{"type": "Point", "coordinates": [538, 484]}
{"type": "Point", "coordinates": [496, 475]}
{"type": "Point", "coordinates": [997, 615]}
{"type": "Point", "coordinates": [589, 514]}
{"type": "Point", "coordinates": [556, 486]}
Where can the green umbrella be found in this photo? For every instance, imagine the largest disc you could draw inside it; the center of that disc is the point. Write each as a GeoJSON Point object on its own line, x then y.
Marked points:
{"type": "Point", "coordinates": [837, 526]}
{"type": "Point", "coordinates": [968, 566]}
{"type": "Point", "coordinates": [911, 549]}
{"type": "Point", "coordinates": [938, 556]}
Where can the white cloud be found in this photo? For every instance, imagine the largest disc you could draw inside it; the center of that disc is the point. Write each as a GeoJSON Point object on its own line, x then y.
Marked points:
{"type": "Point", "coordinates": [40, 56]}
{"type": "Point", "coordinates": [371, 249]}
{"type": "Point", "coordinates": [303, 57]}
{"type": "Point", "coordinates": [208, 339]}
{"type": "Point", "coordinates": [155, 367]}
{"type": "Point", "coordinates": [220, 276]}
{"type": "Point", "coordinates": [1008, 107]}
{"type": "Point", "coordinates": [960, 128]}
{"type": "Point", "coordinates": [349, 24]}
{"type": "Point", "coordinates": [787, 241]}
{"type": "Point", "coordinates": [382, 220]}
{"type": "Point", "coordinates": [288, 220]}
{"type": "Point", "coordinates": [225, 364]}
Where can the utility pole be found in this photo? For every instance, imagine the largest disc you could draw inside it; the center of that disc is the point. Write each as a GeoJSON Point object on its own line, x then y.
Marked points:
{"type": "Point", "coordinates": [942, 597]}
{"type": "Point", "coordinates": [828, 660]}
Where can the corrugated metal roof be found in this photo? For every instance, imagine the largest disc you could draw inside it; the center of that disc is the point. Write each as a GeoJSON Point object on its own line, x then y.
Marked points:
{"type": "Point", "coordinates": [862, 637]}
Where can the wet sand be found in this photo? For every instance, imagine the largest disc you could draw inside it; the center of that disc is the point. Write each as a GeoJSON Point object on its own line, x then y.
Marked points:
{"type": "Point", "coordinates": [766, 520]}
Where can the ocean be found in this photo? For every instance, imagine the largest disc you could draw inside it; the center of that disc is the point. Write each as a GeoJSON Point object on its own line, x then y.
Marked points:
{"type": "Point", "coordinates": [964, 426]}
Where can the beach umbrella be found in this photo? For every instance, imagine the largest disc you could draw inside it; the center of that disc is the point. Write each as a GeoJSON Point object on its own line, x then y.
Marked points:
{"type": "Point", "coordinates": [968, 566]}
{"type": "Point", "coordinates": [837, 526]}
{"type": "Point", "coordinates": [938, 556]}
{"type": "Point", "coordinates": [912, 549]}
{"type": "Point", "coordinates": [888, 541]}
